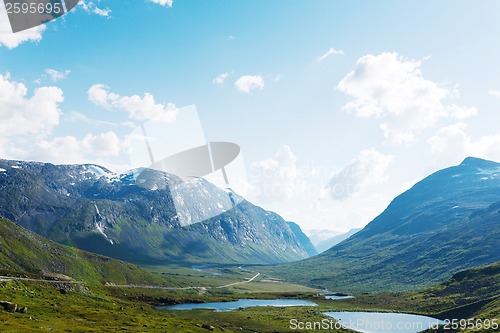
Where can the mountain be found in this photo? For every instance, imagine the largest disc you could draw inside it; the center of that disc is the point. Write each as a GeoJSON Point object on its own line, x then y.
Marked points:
{"type": "Point", "coordinates": [318, 235]}
{"type": "Point", "coordinates": [305, 242]}
{"type": "Point", "coordinates": [91, 208]}
{"type": "Point", "coordinates": [472, 293]}
{"type": "Point", "coordinates": [447, 222]}
{"type": "Point", "coordinates": [22, 251]}
{"type": "Point", "coordinates": [328, 243]}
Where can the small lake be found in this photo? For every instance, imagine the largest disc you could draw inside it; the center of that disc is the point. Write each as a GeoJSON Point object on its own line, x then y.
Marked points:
{"type": "Point", "coordinates": [242, 303]}
{"type": "Point", "coordinates": [376, 322]}
{"type": "Point", "coordinates": [336, 297]}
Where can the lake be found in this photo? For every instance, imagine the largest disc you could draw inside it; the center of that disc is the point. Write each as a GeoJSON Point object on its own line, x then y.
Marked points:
{"type": "Point", "coordinates": [336, 297]}
{"type": "Point", "coordinates": [242, 303]}
{"type": "Point", "coordinates": [376, 322]}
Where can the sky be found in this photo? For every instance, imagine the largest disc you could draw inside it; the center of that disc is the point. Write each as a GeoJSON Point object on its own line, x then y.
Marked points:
{"type": "Point", "coordinates": [338, 106]}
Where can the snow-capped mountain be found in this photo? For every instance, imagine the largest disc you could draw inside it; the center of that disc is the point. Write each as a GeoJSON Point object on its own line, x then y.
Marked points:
{"type": "Point", "coordinates": [136, 217]}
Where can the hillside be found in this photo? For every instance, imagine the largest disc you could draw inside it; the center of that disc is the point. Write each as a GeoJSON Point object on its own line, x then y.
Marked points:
{"type": "Point", "coordinates": [89, 207]}
{"type": "Point", "coordinates": [305, 242]}
{"type": "Point", "coordinates": [466, 294]}
{"type": "Point", "coordinates": [470, 294]}
{"type": "Point", "coordinates": [22, 251]}
{"type": "Point", "coordinates": [447, 222]}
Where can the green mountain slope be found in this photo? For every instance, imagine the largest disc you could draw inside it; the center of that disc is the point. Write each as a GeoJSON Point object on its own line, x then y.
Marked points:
{"type": "Point", "coordinates": [22, 251]}
{"type": "Point", "coordinates": [448, 222]}
{"type": "Point", "coordinates": [467, 293]}
{"type": "Point", "coordinates": [473, 294]}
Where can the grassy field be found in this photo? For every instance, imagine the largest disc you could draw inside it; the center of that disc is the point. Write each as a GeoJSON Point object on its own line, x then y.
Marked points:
{"type": "Point", "coordinates": [130, 308]}
{"type": "Point", "coordinates": [81, 311]}
{"type": "Point", "coordinates": [70, 290]}
{"type": "Point", "coordinates": [87, 308]}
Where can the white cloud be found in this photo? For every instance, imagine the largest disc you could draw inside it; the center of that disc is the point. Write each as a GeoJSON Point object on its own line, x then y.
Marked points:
{"type": "Point", "coordinates": [80, 117]}
{"type": "Point", "coordinates": [494, 93]}
{"type": "Point", "coordinates": [168, 3]}
{"type": "Point", "coordinates": [248, 83]}
{"type": "Point", "coordinates": [21, 115]}
{"type": "Point", "coordinates": [461, 113]}
{"type": "Point", "coordinates": [12, 40]}
{"type": "Point", "coordinates": [103, 149]}
{"type": "Point", "coordinates": [221, 78]}
{"type": "Point", "coordinates": [70, 150]}
{"type": "Point", "coordinates": [330, 52]}
{"type": "Point", "coordinates": [55, 75]}
{"type": "Point", "coordinates": [369, 168]}
{"type": "Point", "coordinates": [393, 89]}
{"type": "Point", "coordinates": [27, 123]}
{"type": "Point", "coordinates": [91, 8]}
{"type": "Point", "coordinates": [274, 179]}
{"type": "Point", "coordinates": [451, 144]}
{"type": "Point", "coordinates": [138, 108]}
{"type": "Point", "coordinates": [102, 12]}
{"type": "Point", "coordinates": [99, 95]}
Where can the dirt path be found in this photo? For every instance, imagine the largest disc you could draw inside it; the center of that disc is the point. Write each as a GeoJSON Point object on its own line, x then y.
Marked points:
{"type": "Point", "coordinates": [10, 278]}
{"type": "Point", "coordinates": [241, 282]}
{"type": "Point", "coordinates": [200, 288]}
{"type": "Point", "coordinates": [179, 288]}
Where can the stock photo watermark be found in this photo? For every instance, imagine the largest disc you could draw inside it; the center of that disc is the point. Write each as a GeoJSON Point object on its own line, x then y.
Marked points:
{"type": "Point", "coordinates": [381, 325]}
{"type": "Point", "coordinates": [364, 325]}
{"type": "Point", "coordinates": [176, 145]}
{"type": "Point", "coordinates": [26, 14]}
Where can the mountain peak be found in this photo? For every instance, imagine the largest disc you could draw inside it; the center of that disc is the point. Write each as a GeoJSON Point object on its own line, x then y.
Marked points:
{"type": "Point", "coordinates": [478, 162]}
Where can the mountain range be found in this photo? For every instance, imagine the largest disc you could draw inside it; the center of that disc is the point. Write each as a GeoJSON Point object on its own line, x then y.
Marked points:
{"type": "Point", "coordinates": [91, 208]}
{"type": "Point", "coordinates": [330, 242]}
{"type": "Point", "coordinates": [445, 223]}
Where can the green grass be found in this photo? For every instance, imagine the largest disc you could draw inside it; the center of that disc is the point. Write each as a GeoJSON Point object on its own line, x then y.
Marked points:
{"type": "Point", "coordinates": [49, 310]}
{"type": "Point", "coordinates": [24, 251]}
{"type": "Point", "coordinates": [114, 309]}
{"type": "Point", "coordinates": [90, 306]}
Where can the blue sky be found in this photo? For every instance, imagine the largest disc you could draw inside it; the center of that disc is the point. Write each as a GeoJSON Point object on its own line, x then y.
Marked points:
{"type": "Point", "coordinates": [338, 106]}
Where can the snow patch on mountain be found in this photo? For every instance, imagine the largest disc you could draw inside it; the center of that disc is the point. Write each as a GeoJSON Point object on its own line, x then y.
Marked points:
{"type": "Point", "coordinates": [491, 173]}
{"type": "Point", "coordinates": [100, 226]}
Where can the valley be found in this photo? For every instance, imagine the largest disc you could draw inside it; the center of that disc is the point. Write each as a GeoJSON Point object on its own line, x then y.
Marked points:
{"type": "Point", "coordinates": [132, 308]}
{"type": "Point", "coordinates": [433, 252]}
{"type": "Point", "coordinates": [180, 166]}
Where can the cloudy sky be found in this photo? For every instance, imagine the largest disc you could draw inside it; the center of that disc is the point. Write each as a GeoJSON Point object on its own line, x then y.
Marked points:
{"type": "Point", "coordinates": [338, 106]}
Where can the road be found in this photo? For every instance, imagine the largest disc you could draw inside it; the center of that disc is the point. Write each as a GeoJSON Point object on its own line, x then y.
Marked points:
{"type": "Point", "coordinates": [10, 278]}
{"type": "Point", "coordinates": [180, 288]}
{"type": "Point", "coordinates": [201, 288]}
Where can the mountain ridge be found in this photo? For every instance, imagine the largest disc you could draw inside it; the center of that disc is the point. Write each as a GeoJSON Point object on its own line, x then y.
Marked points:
{"type": "Point", "coordinates": [303, 239]}
{"type": "Point", "coordinates": [89, 207]}
{"type": "Point", "coordinates": [445, 223]}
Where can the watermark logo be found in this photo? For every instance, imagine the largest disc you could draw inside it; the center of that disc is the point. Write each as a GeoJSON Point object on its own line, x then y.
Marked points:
{"type": "Point", "coordinates": [26, 14]}
{"type": "Point", "coordinates": [170, 152]}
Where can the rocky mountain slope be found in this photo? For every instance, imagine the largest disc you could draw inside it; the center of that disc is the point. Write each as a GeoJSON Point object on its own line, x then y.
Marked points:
{"type": "Point", "coordinates": [91, 208]}
{"type": "Point", "coordinates": [305, 242]}
{"type": "Point", "coordinates": [447, 222]}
